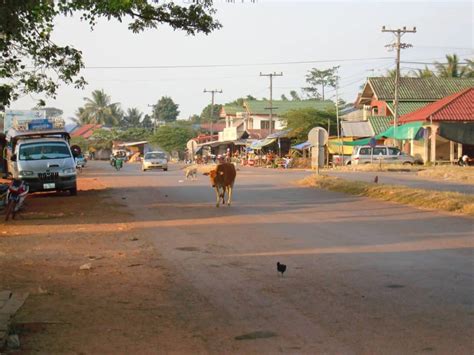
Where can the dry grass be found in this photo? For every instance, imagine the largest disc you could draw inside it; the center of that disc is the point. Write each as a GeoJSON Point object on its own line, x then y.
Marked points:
{"type": "Point", "coordinates": [384, 167]}
{"type": "Point", "coordinates": [437, 200]}
{"type": "Point", "coordinates": [452, 173]}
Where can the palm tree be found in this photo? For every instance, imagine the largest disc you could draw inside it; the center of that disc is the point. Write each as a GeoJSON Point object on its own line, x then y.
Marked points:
{"type": "Point", "coordinates": [423, 73]}
{"type": "Point", "coordinates": [451, 69]}
{"type": "Point", "coordinates": [132, 118]}
{"type": "Point", "coordinates": [100, 110]}
{"type": "Point", "coordinates": [468, 69]}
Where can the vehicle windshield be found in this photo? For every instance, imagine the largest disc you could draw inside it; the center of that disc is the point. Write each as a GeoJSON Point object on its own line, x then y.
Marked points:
{"type": "Point", "coordinates": [47, 150]}
{"type": "Point", "coordinates": [155, 156]}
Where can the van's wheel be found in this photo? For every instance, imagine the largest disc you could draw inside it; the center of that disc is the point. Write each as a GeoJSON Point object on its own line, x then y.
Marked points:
{"type": "Point", "coordinates": [73, 191]}
{"type": "Point", "coordinates": [165, 169]}
{"type": "Point", "coordinates": [407, 163]}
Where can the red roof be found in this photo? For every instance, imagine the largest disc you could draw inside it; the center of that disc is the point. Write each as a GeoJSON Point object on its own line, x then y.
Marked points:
{"type": "Point", "coordinates": [85, 131]}
{"type": "Point", "coordinates": [456, 107]}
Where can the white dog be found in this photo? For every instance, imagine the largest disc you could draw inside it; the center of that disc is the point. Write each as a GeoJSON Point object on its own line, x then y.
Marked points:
{"type": "Point", "coordinates": [191, 172]}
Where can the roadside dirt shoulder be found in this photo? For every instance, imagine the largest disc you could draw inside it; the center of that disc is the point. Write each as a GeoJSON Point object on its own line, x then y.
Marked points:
{"type": "Point", "coordinates": [96, 285]}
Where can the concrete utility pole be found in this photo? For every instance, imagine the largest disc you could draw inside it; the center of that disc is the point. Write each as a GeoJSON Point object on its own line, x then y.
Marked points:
{"type": "Point", "coordinates": [212, 106]}
{"type": "Point", "coordinates": [398, 46]}
{"type": "Point", "coordinates": [271, 108]}
{"type": "Point", "coordinates": [154, 119]}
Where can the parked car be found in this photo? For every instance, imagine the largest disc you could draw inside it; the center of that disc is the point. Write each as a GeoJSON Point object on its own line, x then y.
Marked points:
{"type": "Point", "coordinates": [336, 160]}
{"type": "Point", "coordinates": [155, 160]}
{"type": "Point", "coordinates": [380, 153]}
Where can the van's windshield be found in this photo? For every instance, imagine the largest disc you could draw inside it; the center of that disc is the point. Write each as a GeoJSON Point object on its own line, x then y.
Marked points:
{"type": "Point", "coordinates": [46, 150]}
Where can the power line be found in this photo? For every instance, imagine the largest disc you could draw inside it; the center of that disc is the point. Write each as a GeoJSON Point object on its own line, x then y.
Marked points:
{"type": "Point", "coordinates": [271, 75]}
{"type": "Point", "coordinates": [234, 64]}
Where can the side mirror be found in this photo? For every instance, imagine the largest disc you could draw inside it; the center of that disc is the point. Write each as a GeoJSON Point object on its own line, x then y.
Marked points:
{"type": "Point", "coordinates": [13, 157]}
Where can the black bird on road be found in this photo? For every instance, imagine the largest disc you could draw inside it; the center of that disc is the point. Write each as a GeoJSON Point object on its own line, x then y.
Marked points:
{"type": "Point", "coordinates": [281, 268]}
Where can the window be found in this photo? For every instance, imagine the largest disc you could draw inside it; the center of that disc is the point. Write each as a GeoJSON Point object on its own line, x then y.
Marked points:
{"type": "Point", "coordinates": [364, 151]}
{"type": "Point", "coordinates": [41, 151]}
{"type": "Point", "coordinates": [380, 151]}
{"type": "Point", "coordinates": [155, 155]}
{"type": "Point", "coordinates": [393, 151]}
{"type": "Point", "coordinates": [266, 124]}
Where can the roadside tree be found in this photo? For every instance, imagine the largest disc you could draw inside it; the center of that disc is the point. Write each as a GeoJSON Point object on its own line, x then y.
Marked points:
{"type": "Point", "coordinates": [323, 78]}
{"type": "Point", "coordinates": [173, 137]}
{"type": "Point", "coordinates": [165, 110]}
{"type": "Point", "coordinates": [301, 121]}
{"type": "Point", "coordinates": [99, 110]}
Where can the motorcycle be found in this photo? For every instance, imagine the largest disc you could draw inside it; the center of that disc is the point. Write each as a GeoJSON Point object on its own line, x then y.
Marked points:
{"type": "Point", "coordinates": [118, 164]}
{"type": "Point", "coordinates": [16, 194]}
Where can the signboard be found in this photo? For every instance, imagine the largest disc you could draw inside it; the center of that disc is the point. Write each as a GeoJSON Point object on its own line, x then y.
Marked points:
{"type": "Point", "coordinates": [40, 124]}
{"type": "Point", "coordinates": [20, 116]}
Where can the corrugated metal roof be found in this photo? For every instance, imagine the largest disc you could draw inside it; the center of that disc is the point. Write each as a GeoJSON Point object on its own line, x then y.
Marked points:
{"type": "Point", "coordinates": [405, 107]}
{"type": "Point", "coordinates": [456, 107]}
{"type": "Point", "coordinates": [356, 129]}
{"type": "Point", "coordinates": [259, 107]}
{"type": "Point", "coordinates": [380, 123]}
{"type": "Point", "coordinates": [424, 89]}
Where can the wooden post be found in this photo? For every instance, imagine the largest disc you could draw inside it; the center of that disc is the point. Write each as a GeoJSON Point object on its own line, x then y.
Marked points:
{"type": "Point", "coordinates": [451, 152]}
{"type": "Point", "coordinates": [433, 145]}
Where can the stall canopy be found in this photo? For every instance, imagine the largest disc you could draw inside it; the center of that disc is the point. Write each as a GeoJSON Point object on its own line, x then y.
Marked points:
{"type": "Point", "coordinates": [406, 131]}
{"type": "Point", "coordinates": [458, 132]}
{"type": "Point", "coordinates": [302, 146]}
{"type": "Point", "coordinates": [262, 143]}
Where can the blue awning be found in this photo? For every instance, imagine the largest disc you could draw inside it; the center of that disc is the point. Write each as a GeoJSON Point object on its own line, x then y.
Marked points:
{"type": "Point", "coordinates": [302, 146]}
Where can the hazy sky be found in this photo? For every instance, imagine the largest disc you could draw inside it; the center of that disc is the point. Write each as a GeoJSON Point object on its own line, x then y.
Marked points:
{"type": "Point", "coordinates": [252, 35]}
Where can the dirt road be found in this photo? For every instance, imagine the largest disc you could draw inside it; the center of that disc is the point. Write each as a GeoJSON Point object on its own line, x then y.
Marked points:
{"type": "Point", "coordinates": [172, 273]}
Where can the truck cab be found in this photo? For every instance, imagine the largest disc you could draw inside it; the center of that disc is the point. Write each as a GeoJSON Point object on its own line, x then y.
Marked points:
{"type": "Point", "coordinates": [44, 160]}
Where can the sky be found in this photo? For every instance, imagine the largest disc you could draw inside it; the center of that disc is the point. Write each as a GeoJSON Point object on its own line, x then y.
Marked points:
{"type": "Point", "coordinates": [291, 37]}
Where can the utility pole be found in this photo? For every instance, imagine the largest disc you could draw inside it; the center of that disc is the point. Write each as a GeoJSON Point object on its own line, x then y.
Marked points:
{"type": "Point", "coordinates": [271, 108]}
{"type": "Point", "coordinates": [398, 46]}
{"type": "Point", "coordinates": [154, 118]}
{"type": "Point", "coordinates": [212, 106]}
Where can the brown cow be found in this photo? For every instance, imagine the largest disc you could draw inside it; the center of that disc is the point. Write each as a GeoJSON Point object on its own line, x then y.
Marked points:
{"type": "Point", "coordinates": [222, 179]}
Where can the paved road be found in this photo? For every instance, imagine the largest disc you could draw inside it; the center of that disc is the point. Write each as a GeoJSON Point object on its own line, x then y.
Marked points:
{"type": "Point", "coordinates": [409, 179]}
{"type": "Point", "coordinates": [363, 276]}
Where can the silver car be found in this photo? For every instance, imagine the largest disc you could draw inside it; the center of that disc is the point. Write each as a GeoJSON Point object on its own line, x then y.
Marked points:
{"type": "Point", "coordinates": [155, 160]}
{"type": "Point", "coordinates": [387, 155]}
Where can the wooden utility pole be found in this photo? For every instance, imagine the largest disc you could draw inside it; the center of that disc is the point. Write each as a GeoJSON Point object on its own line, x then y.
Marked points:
{"type": "Point", "coordinates": [397, 46]}
{"type": "Point", "coordinates": [212, 107]}
{"type": "Point", "coordinates": [271, 108]}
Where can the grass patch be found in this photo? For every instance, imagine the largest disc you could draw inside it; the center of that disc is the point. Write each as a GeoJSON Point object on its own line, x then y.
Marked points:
{"type": "Point", "coordinates": [437, 200]}
{"type": "Point", "coordinates": [451, 172]}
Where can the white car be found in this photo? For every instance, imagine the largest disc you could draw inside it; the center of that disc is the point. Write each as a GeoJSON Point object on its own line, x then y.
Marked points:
{"type": "Point", "coordinates": [155, 160]}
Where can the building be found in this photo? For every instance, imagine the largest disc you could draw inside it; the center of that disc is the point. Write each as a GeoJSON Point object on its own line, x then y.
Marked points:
{"type": "Point", "coordinates": [448, 125]}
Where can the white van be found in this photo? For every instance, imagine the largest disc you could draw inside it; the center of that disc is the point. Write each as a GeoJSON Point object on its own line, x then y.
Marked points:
{"type": "Point", "coordinates": [44, 161]}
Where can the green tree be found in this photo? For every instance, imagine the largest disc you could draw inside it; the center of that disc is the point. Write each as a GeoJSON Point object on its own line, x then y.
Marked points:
{"type": "Point", "coordinates": [134, 134]}
{"type": "Point", "coordinates": [195, 119]}
{"type": "Point", "coordinates": [81, 142]}
{"type": "Point", "coordinates": [300, 121]}
{"type": "Point", "coordinates": [206, 113]}
{"type": "Point", "coordinates": [147, 123]}
{"type": "Point", "coordinates": [451, 69]}
{"type": "Point", "coordinates": [294, 96]}
{"type": "Point", "coordinates": [173, 137]}
{"type": "Point", "coordinates": [29, 55]}
{"type": "Point", "coordinates": [103, 139]}
{"type": "Point", "coordinates": [132, 118]}
{"type": "Point", "coordinates": [284, 98]}
{"type": "Point", "coordinates": [165, 110]}
{"type": "Point", "coordinates": [324, 78]}
{"type": "Point", "coordinates": [99, 110]}
{"type": "Point", "coordinates": [424, 73]}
